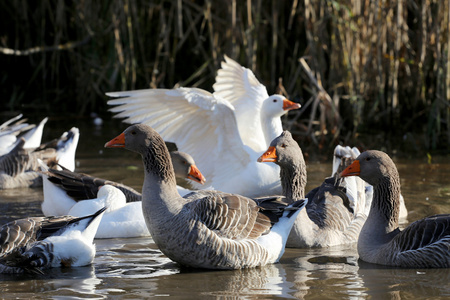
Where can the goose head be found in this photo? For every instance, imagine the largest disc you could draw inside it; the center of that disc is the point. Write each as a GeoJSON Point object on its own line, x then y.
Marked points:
{"type": "Point", "coordinates": [283, 150]}
{"type": "Point", "coordinates": [373, 167]}
{"type": "Point", "coordinates": [135, 138]}
{"type": "Point", "coordinates": [143, 139]}
{"type": "Point", "coordinates": [184, 167]}
{"type": "Point", "coordinates": [278, 105]}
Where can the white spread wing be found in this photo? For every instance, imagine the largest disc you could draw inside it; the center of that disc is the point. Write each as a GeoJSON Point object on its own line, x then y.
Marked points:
{"type": "Point", "coordinates": [198, 122]}
{"type": "Point", "coordinates": [239, 86]}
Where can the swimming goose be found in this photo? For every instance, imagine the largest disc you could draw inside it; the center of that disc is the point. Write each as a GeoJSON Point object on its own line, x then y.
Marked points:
{"type": "Point", "coordinates": [225, 143]}
{"type": "Point", "coordinates": [18, 168]}
{"type": "Point", "coordinates": [423, 244]}
{"type": "Point", "coordinates": [206, 229]}
{"type": "Point", "coordinates": [330, 218]}
{"type": "Point", "coordinates": [30, 244]}
{"type": "Point", "coordinates": [64, 188]}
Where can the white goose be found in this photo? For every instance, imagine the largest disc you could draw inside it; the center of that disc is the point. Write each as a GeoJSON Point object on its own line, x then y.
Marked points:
{"type": "Point", "coordinates": [31, 244]}
{"type": "Point", "coordinates": [19, 167]}
{"type": "Point", "coordinates": [332, 217]}
{"type": "Point", "coordinates": [224, 142]}
{"type": "Point", "coordinates": [206, 229]}
{"type": "Point", "coordinates": [64, 188]}
{"type": "Point", "coordinates": [423, 244]}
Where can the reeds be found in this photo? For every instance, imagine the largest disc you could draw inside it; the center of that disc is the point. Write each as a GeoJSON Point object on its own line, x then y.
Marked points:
{"type": "Point", "coordinates": [371, 68]}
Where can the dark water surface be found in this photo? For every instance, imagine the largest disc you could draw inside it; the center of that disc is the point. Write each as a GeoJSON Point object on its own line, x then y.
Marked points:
{"type": "Point", "coordinates": [135, 268]}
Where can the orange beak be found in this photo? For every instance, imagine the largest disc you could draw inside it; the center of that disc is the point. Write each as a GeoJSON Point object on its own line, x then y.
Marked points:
{"type": "Point", "coordinates": [289, 105]}
{"type": "Point", "coordinates": [117, 142]}
{"type": "Point", "coordinates": [196, 175]}
{"type": "Point", "coordinates": [269, 156]}
{"type": "Point", "coordinates": [352, 170]}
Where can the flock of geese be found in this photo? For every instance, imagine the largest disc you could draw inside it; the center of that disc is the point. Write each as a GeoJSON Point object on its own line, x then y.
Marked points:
{"type": "Point", "coordinates": [247, 200]}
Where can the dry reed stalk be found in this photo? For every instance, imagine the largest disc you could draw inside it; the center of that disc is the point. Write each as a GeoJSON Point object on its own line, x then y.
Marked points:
{"type": "Point", "coordinates": [41, 49]}
{"type": "Point", "coordinates": [119, 49]}
{"type": "Point", "coordinates": [328, 112]}
{"type": "Point", "coordinates": [446, 27]}
{"type": "Point", "coordinates": [274, 44]}
{"type": "Point", "coordinates": [131, 67]}
{"type": "Point", "coordinates": [396, 51]}
{"type": "Point", "coordinates": [234, 27]}
{"type": "Point", "coordinates": [180, 18]}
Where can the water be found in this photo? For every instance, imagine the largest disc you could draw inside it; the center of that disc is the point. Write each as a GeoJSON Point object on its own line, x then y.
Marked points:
{"type": "Point", "coordinates": [134, 268]}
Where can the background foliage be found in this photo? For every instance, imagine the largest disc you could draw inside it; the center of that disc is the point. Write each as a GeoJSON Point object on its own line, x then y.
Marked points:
{"type": "Point", "coordinates": [371, 72]}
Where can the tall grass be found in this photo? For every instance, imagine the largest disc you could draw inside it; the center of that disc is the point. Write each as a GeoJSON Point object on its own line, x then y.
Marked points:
{"type": "Point", "coordinates": [366, 72]}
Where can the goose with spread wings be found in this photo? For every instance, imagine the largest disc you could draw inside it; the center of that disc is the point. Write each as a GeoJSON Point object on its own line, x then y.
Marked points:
{"type": "Point", "coordinates": [224, 131]}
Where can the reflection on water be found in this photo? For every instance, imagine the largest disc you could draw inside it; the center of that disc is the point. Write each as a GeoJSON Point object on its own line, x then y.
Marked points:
{"type": "Point", "coordinates": [123, 258]}
{"type": "Point", "coordinates": [135, 268]}
{"type": "Point", "coordinates": [76, 282]}
{"type": "Point", "coordinates": [330, 272]}
{"type": "Point", "coordinates": [391, 283]}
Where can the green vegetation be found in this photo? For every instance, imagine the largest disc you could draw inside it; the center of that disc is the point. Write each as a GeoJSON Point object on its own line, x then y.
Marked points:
{"type": "Point", "coordinates": [369, 73]}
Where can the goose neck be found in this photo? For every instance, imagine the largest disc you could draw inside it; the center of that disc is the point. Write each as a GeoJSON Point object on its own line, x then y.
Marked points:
{"type": "Point", "coordinates": [272, 128]}
{"type": "Point", "coordinates": [293, 181]}
{"type": "Point", "coordinates": [386, 204]}
{"type": "Point", "coordinates": [159, 191]}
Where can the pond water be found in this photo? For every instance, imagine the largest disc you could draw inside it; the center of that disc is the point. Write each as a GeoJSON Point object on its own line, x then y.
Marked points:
{"type": "Point", "coordinates": [134, 268]}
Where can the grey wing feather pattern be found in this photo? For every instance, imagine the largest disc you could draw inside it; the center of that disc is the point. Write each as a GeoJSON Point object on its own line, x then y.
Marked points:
{"type": "Point", "coordinates": [423, 233]}
{"type": "Point", "coordinates": [231, 216]}
{"type": "Point", "coordinates": [424, 243]}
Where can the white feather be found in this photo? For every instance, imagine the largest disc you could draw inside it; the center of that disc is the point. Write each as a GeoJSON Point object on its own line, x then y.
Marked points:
{"type": "Point", "coordinates": [120, 219]}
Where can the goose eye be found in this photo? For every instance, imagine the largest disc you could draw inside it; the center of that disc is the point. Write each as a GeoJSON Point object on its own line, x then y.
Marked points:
{"type": "Point", "coordinates": [367, 158]}
{"type": "Point", "coordinates": [185, 162]}
{"type": "Point", "coordinates": [133, 132]}
{"type": "Point", "coordinates": [275, 100]}
{"type": "Point", "coordinates": [283, 146]}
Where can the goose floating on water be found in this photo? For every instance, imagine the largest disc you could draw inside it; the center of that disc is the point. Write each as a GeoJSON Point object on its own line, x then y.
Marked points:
{"type": "Point", "coordinates": [35, 243]}
{"type": "Point", "coordinates": [205, 229]}
{"type": "Point", "coordinates": [423, 244]}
